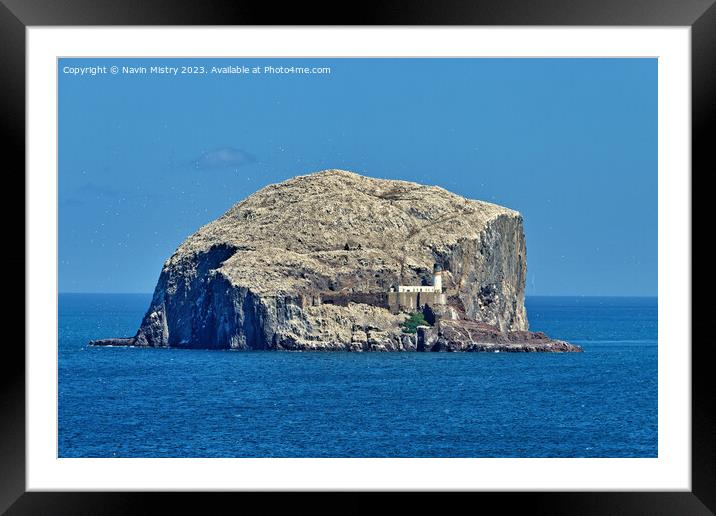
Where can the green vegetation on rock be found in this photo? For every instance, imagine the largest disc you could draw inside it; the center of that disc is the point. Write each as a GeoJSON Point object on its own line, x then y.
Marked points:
{"type": "Point", "coordinates": [411, 323]}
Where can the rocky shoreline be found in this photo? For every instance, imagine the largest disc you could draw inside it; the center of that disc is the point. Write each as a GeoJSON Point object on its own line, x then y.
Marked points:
{"type": "Point", "coordinates": [446, 336]}
{"type": "Point", "coordinates": [474, 336]}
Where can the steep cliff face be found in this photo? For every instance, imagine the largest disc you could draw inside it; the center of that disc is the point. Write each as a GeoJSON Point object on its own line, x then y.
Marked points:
{"type": "Point", "coordinates": [252, 278]}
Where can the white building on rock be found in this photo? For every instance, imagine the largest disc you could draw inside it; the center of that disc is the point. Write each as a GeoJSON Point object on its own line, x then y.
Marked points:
{"type": "Point", "coordinates": [412, 297]}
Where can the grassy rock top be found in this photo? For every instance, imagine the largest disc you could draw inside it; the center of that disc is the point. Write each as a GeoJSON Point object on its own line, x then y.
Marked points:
{"type": "Point", "coordinates": [339, 230]}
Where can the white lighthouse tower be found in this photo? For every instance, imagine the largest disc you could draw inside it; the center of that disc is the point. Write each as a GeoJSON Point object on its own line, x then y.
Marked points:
{"type": "Point", "coordinates": [438, 278]}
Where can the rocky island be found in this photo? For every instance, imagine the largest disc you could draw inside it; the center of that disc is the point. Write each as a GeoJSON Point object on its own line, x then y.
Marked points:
{"type": "Point", "coordinates": [338, 261]}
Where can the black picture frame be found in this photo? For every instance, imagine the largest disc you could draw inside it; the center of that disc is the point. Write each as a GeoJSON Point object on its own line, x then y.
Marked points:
{"type": "Point", "coordinates": [16, 15]}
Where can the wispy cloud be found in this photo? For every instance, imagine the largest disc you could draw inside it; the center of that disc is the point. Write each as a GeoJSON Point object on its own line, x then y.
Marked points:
{"type": "Point", "coordinates": [96, 190]}
{"type": "Point", "coordinates": [223, 157]}
{"type": "Point", "coordinates": [81, 194]}
{"type": "Point", "coordinates": [72, 202]}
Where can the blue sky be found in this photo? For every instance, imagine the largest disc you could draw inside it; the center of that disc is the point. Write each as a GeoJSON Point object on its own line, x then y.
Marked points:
{"type": "Point", "coordinates": [145, 160]}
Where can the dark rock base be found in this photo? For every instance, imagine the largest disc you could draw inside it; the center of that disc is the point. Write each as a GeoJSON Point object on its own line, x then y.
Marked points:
{"type": "Point", "coordinates": [462, 335]}
{"type": "Point", "coordinates": [453, 335]}
{"type": "Point", "coordinates": [128, 341]}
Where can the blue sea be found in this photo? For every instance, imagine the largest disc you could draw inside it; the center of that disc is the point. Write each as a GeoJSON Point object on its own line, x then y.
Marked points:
{"type": "Point", "coordinates": [132, 402]}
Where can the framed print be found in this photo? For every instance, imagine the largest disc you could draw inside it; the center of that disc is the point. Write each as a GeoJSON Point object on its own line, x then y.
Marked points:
{"type": "Point", "coordinates": [430, 251]}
